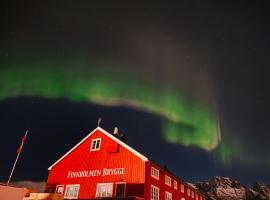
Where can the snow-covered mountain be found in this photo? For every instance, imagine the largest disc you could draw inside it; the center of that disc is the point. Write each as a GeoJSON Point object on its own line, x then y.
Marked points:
{"type": "Point", "coordinates": [224, 188]}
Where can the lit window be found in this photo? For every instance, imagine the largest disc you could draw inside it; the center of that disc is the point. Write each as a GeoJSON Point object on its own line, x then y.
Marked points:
{"type": "Point", "coordinates": [182, 188]}
{"type": "Point", "coordinates": [95, 145]}
{"type": "Point", "coordinates": [188, 192]}
{"type": "Point", "coordinates": [72, 191]}
{"type": "Point", "coordinates": [168, 196]}
{"type": "Point", "coordinates": [168, 180]}
{"type": "Point", "coordinates": [196, 196]}
{"type": "Point", "coordinates": [192, 194]}
{"type": "Point", "coordinates": [154, 193]}
{"type": "Point", "coordinates": [155, 173]}
{"type": "Point", "coordinates": [104, 190]}
{"type": "Point", "coordinates": [200, 197]}
{"type": "Point", "coordinates": [183, 198]}
{"type": "Point", "coordinates": [175, 184]}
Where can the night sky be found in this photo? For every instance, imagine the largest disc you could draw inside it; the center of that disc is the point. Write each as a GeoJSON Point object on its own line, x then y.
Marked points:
{"type": "Point", "coordinates": [188, 83]}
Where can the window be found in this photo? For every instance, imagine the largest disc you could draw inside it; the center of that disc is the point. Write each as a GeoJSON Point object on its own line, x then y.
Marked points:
{"type": "Point", "coordinates": [59, 189]}
{"type": "Point", "coordinates": [72, 191]}
{"type": "Point", "coordinates": [104, 190]}
{"type": "Point", "coordinates": [188, 192]}
{"type": "Point", "coordinates": [168, 196]}
{"type": "Point", "coordinates": [95, 145]}
{"type": "Point", "coordinates": [155, 173]}
{"type": "Point", "coordinates": [201, 198]}
{"type": "Point", "coordinates": [154, 193]}
{"type": "Point", "coordinates": [196, 196]}
{"type": "Point", "coordinates": [175, 184]}
{"type": "Point", "coordinates": [192, 194]}
{"type": "Point", "coordinates": [182, 188]}
{"type": "Point", "coordinates": [168, 180]}
{"type": "Point", "coordinates": [182, 198]}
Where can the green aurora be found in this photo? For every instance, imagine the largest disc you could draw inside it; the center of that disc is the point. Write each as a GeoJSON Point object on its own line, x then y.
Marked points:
{"type": "Point", "coordinates": [184, 120]}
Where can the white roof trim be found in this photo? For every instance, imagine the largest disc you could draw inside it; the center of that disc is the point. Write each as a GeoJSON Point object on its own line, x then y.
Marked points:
{"type": "Point", "coordinates": [145, 159]}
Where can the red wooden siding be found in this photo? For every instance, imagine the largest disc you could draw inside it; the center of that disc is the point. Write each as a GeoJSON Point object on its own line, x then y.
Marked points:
{"type": "Point", "coordinates": [176, 193]}
{"type": "Point", "coordinates": [82, 159]}
{"type": "Point", "coordinates": [113, 154]}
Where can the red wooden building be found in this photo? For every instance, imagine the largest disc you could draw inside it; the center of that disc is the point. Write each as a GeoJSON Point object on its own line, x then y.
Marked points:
{"type": "Point", "coordinates": [102, 166]}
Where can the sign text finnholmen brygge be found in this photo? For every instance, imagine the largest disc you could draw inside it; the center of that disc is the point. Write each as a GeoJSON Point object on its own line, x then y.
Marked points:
{"type": "Point", "coordinates": [96, 172]}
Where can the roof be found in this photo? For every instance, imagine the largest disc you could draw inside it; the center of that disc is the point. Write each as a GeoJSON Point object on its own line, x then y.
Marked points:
{"type": "Point", "coordinates": [189, 185]}
{"type": "Point", "coordinates": [145, 159]}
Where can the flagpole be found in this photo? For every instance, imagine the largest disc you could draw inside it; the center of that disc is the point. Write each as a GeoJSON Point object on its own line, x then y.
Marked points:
{"type": "Point", "coordinates": [20, 150]}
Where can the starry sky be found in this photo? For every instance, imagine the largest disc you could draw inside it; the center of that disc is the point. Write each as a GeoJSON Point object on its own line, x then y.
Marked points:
{"type": "Point", "coordinates": [187, 82]}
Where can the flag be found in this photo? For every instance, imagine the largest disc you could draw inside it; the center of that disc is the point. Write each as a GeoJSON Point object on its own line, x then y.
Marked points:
{"type": "Point", "coordinates": [21, 145]}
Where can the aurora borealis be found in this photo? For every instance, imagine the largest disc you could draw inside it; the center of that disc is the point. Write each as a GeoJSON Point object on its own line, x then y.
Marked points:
{"type": "Point", "coordinates": [186, 121]}
{"type": "Point", "coordinates": [189, 78]}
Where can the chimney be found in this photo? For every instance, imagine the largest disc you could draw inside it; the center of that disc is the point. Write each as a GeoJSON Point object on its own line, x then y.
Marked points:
{"type": "Point", "coordinates": [123, 137]}
{"type": "Point", "coordinates": [99, 121]}
{"type": "Point", "coordinates": [166, 168]}
{"type": "Point", "coordinates": [115, 132]}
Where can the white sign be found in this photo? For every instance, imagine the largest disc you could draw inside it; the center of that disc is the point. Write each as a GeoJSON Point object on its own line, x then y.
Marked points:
{"type": "Point", "coordinates": [96, 172]}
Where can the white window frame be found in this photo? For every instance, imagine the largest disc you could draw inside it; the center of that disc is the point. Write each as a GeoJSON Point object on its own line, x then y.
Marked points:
{"type": "Point", "coordinates": [188, 192]}
{"type": "Point", "coordinates": [168, 195]}
{"type": "Point", "coordinates": [182, 188]}
{"type": "Point", "coordinates": [93, 146]}
{"type": "Point", "coordinates": [175, 184]}
{"type": "Point", "coordinates": [73, 196]}
{"type": "Point", "coordinates": [153, 171]}
{"type": "Point", "coordinates": [111, 184]}
{"type": "Point", "coordinates": [168, 180]}
{"type": "Point", "coordinates": [59, 186]}
{"type": "Point", "coordinates": [154, 188]}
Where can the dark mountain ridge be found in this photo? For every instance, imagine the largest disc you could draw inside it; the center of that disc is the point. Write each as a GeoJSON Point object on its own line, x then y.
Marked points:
{"type": "Point", "coordinates": [225, 188]}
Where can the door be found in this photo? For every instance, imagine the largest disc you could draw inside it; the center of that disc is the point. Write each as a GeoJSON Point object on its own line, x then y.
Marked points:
{"type": "Point", "coordinates": [120, 189]}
